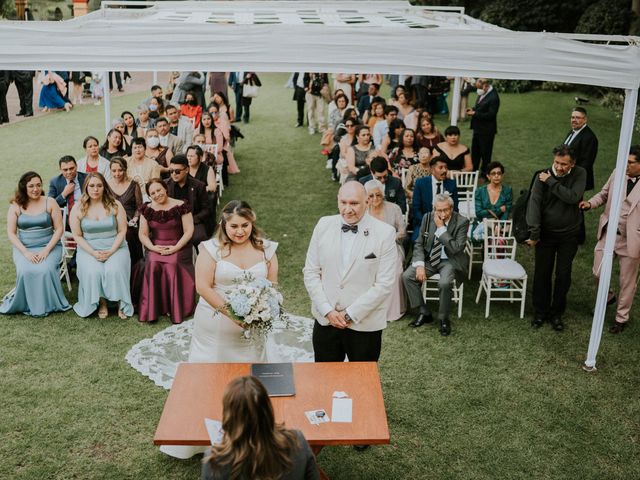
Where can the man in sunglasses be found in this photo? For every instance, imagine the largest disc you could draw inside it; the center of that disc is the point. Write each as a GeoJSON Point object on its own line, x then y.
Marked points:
{"type": "Point", "coordinates": [393, 191]}
{"type": "Point", "coordinates": [184, 187]}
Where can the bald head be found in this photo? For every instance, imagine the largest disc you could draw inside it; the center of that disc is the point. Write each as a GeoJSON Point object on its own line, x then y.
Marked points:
{"type": "Point", "coordinates": [352, 202]}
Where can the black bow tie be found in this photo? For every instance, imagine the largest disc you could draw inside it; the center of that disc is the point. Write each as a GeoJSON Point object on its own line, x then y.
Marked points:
{"type": "Point", "coordinates": [346, 228]}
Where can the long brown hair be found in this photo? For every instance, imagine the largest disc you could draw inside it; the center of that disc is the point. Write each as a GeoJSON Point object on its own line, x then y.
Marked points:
{"type": "Point", "coordinates": [242, 209]}
{"type": "Point", "coordinates": [108, 197]}
{"type": "Point", "coordinates": [21, 198]}
{"type": "Point", "coordinates": [253, 445]}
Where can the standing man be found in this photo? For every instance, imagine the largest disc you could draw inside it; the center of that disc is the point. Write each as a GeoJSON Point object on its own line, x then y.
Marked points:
{"type": "Point", "coordinates": [438, 249]}
{"type": "Point", "coordinates": [5, 81]}
{"type": "Point", "coordinates": [24, 84]}
{"type": "Point", "coordinates": [236, 82]}
{"type": "Point", "coordinates": [484, 124]}
{"type": "Point", "coordinates": [349, 273]}
{"type": "Point", "coordinates": [627, 246]}
{"type": "Point", "coordinates": [583, 142]}
{"type": "Point", "coordinates": [555, 226]}
{"type": "Point", "coordinates": [316, 104]}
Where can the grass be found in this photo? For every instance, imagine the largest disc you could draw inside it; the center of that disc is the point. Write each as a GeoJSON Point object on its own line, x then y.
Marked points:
{"type": "Point", "coordinates": [497, 399]}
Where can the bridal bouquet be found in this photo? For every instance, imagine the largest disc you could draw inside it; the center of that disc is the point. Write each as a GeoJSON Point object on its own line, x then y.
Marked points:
{"type": "Point", "coordinates": [255, 303]}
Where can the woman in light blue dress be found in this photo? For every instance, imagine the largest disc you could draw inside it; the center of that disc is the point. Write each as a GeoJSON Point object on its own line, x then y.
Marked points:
{"type": "Point", "coordinates": [34, 227]}
{"type": "Point", "coordinates": [99, 225]}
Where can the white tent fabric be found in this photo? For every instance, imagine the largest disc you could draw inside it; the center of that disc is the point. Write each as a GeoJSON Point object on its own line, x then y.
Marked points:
{"type": "Point", "coordinates": [228, 36]}
{"type": "Point", "coordinates": [351, 37]}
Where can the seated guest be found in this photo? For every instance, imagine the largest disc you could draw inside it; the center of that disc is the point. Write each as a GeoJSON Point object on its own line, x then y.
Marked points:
{"type": "Point", "coordinates": [92, 161]}
{"type": "Point", "coordinates": [167, 139]}
{"type": "Point", "coordinates": [405, 154]}
{"type": "Point", "coordinates": [120, 126]}
{"type": "Point", "coordinates": [34, 227]}
{"type": "Point", "coordinates": [218, 110]}
{"type": "Point", "coordinates": [191, 110]}
{"type": "Point", "coordinates": [393, 137]}
{"type": "Point", "coordinates": [336, 114]}
{"type": "Point", "coordinates": [390, 213]}
{"type": "Point", "coordinates": [179, 126]}
{"type": "Point", "coordinates": [212, 135]}
{"type": "Point", "coordinates": [128, 193]}
{"type": "Point", "coordinates": [419, 170]}
{"type": "Point", "coordinates": [404, 105]}
{"type": "Point", "coordinates": [428, 135]}
{"type": "Point", "coordinates": [375, 114]}
{"type": "Point", "coordinates": [254, 445]}
{"type": "Point", "coordinates": [493, 200]}
{"type": "Point", "coordinates": [358, 152]}
{"type": "Point", "coordinates": [365, 101]}
{"type": "Point", "coordinates": [112, 146]}
{"type": "Point", "coordinates": [156, 108]}
{"type": "Point", "coordinates": [183, 187]}
{"type": "Point", "coordinates": [131, 130]}
{"type": "Point", "coordinates": [201, 171]}
{"type": "Point", "coordinates": [166, 279]}
{"type": "Point", "coordinates": [438, 249]}
{"type": "Point", "coordinates": [66, 188]}
{"type": "Point", "coordinates": [144, 121]}
{"type": "Point", "coordinates": [426, 189]}
{"type": "Point", "coordinates": [162, 155]}
{"type": "Point", "coordinates": [141, 168]}
{"type": "Point", "coordinates": [99, 225]}
{"type": "Point", "coordinates": [391, 186]}
{"type": "Point", "coordinates": [458, 155]}
{"type": "Point", "coordinates": [381, 129]}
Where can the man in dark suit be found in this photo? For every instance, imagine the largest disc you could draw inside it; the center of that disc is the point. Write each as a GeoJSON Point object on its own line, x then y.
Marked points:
{"type": "Point", "coordinates": [393, 191]}
{"type": "Point", "coordinates": [5, 80]}
{"type": "Point", "coordinates": [66, 188]}
{"type": "Point", "coordinates": [426, 188]}
{"type": "Point", "coordinates": [24, 84]}
{"type": "Point", "coordinates": [439, 249]}
{"type": "Point", "coordinates": [365, 101]}
{"type": "Point", "coordinates": [583, 142]}
{"type": "Point", "coordinates": [484, 124]}
{"type": "Point", "coordinates": [183, 187]}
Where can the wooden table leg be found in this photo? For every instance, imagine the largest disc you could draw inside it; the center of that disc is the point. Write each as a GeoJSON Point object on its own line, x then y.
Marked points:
{"type": "Point", "coordinates": [316, 449]}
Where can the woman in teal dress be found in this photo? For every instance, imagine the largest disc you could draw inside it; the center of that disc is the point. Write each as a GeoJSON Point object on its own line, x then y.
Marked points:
{"type": "Point", "coordinates": [34, 227]}
{"type": "Point", "coordinates": [493, 199]}
{"type": "Point", "coordinates": [99, 225]}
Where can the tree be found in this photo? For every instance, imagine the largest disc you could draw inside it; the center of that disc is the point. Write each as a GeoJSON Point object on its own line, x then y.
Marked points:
{"type": "Point", "coordinates": [7, 9]}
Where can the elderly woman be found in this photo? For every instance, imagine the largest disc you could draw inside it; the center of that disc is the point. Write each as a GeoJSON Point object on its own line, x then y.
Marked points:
{"type": "Point", "coordinates": [113, 145]}
{"type": "Point", "coordinates": [93, 161]}
{"type": "Point", "coordinates": [419, 170]}
{"type": "Point", "coordinates": [34, 228]}
{"type": "Point", "coordinates": [155, 151]}
{"type": "Point", "coordinates": [144, 121]}
{"type": "Point", "coordinates": [458, 155]}
{"type": "Point", "coordinates": [390, 213]}
{"type": "Point", "coordinates": [493, 200]}
{"type": "Point", "coordinates": [140, 167]}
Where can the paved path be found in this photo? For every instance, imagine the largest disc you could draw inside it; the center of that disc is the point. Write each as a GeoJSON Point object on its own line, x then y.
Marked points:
{"type": "Point", "coordinates": [141, 81]}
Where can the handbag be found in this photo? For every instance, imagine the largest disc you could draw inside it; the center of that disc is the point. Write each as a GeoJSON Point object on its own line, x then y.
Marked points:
{"type": "Point", "coordinates": [250, 91]}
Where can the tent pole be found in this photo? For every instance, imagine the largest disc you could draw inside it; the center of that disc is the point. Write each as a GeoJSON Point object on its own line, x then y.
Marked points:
{"type": "Point", "coordinates": [455, 101]}
{"type": "Point", "coordinates": [617, 195]}
{"type": "Point", "coordinates": [155, 77]}
{"type": "Point", "coordinates": [107, 102]}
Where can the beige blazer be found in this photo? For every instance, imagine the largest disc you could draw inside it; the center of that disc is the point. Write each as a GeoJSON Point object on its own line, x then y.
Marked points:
{"type": "Point", "coordinates": [363, 286]}
{"type": "Point", "coordinates": [629, 216]}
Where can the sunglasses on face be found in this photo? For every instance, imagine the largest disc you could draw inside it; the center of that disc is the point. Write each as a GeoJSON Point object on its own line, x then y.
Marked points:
{"type": "Point", "coordinates": [176, 170]}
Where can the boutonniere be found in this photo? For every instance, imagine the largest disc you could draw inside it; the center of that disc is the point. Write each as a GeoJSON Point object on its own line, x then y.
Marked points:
{"type": "Point", "coordinates": [366, 232]}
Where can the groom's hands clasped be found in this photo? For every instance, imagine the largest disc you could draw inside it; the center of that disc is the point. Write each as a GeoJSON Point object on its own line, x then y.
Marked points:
{"type": "Point", "coordinates": [337, 319]}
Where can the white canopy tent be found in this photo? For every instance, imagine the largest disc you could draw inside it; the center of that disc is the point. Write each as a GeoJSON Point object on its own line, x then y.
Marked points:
{"type": "Point", "coordinates": [350, 37]}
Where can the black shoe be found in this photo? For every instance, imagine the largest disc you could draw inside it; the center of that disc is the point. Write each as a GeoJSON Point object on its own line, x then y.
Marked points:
{"type": "Point", "coordinates": [617, 327]}
{"type": "Point", "coordinates": [556, 323]}
{"type": "Point", "coordinates": [19, 114]}
{"type": "Point", "coordinates": [537, 321]}
{"type": "Point", "coordinates": [28, 114]}
{"type": "Point", "coordinates": [361, 448]}
{"type": "Point", "coordinates": [612, 300]}
{"type": "Point", "coordinates": [421, 319]}
{"type": "Point", "coordinates": [445, 327]}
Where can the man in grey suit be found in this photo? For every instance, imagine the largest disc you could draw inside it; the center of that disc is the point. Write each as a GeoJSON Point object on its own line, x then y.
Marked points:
{"type": "Point", "coordinates": [439, 249]}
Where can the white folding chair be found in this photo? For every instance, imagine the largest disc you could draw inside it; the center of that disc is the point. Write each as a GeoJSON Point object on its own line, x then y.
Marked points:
{"type": "Point", "coordinates": [430, 291]}
{"type": "Point", "coordinates": [403, 176]}
{"type": "Point", "coordinates": [475, 252]}
{"type": "Point", "coordinates": [219, 181]}
{"type": "Point", "coordinates": [466, 183]}
{"type": "Point", "coordinates": [68, 251]}
{"type": "Point", "coordinates": [503, 279]}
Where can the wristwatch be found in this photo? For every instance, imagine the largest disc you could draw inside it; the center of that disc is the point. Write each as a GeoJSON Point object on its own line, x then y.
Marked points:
{"type": "Point", "coordinates": [347, 317]}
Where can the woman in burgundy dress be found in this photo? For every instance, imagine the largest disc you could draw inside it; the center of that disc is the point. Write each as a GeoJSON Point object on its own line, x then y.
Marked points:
{"type": "Point", "coordinates": [167, 276]}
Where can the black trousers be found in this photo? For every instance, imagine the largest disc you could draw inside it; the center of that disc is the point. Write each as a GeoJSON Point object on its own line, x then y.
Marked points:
{"type": "Point", "coordinates": [300, 100]}
{"type": "Point", "coordinates": [481, 150]}
{"type": "Point", "coordinates": [25, 94]}
{"type": "Point", "coordinates": [559, 251]}
{"type": "Point", "coordinates": [237, 91]}
{"type": "Point", "coordinates": [118, 80]}
{"type": "Point", "coordinates": [4, 110]}
{"type": "Point", "coordinates": [332, 344]}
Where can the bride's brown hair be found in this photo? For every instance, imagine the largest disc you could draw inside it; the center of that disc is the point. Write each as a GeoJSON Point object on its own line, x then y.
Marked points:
{"type": "Point", "coordinates": [242, 209]}
{"type": "Point", "coordinates": [253, 445]}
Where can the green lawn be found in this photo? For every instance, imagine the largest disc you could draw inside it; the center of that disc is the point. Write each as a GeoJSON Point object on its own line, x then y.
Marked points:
{"type": "Point", "coordinates": [496, 399]}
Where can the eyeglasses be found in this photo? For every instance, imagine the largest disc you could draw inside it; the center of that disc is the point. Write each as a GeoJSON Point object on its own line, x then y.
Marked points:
{"type": "Point", "coordinates": [348, 125]}
{"type": "Point", "coordinates": [176, 170]}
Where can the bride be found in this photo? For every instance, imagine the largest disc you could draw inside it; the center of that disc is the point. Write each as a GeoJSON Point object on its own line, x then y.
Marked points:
{"type": "Point", "coordinates": [238, 247]}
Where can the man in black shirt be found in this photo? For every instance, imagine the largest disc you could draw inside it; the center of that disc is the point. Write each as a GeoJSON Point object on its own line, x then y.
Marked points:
{"type": "Point", "coordinates": [556, 227]}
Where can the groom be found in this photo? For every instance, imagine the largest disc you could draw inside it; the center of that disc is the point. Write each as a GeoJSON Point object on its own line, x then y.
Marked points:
{"type": "Point", "coordinates": [349, 273]}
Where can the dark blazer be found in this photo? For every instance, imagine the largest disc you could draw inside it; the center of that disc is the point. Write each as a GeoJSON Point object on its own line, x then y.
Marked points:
{"type": "Point", "coordinates": [484, 121]}
{"type": "Point", "coordinates": [364, 104]}
{"type": "Point", "coordinates": [423, 199]}
{"type": "Point", "coordinates": [585, 148]}
{"type": "Point", "coordinates": [453, 241]}
{"type": "Point", "coordinates": [198, 201]}
{"type": "Point", "coordinates": [393, 191]}
{"type": "Point", "coordinates": [57, 184]}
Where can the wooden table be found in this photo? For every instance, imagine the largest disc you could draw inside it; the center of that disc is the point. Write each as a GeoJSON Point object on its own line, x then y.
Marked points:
{"type": "Point", "coordinates": [197, 391]}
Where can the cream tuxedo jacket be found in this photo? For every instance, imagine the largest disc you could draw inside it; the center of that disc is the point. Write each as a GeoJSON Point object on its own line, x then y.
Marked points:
{"type": "Point", "coordinates": [364, 285]}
